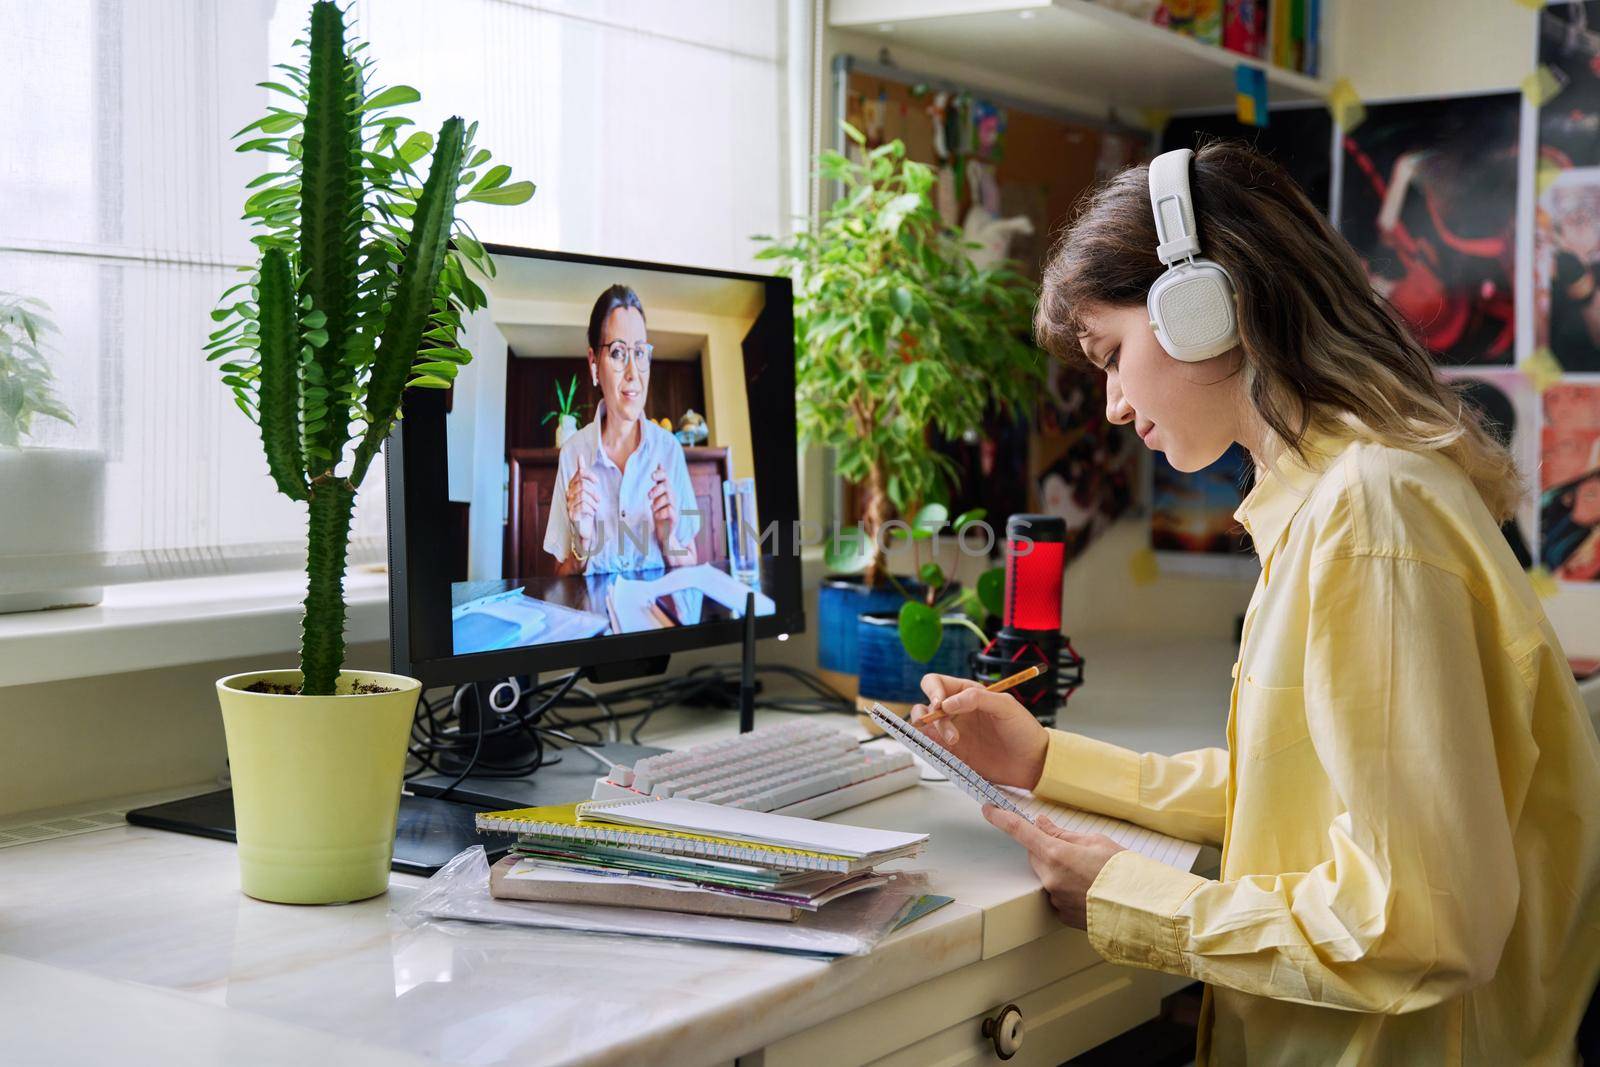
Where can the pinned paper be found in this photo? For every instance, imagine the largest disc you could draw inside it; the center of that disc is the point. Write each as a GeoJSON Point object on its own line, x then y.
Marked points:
{"type": "Point", "coordinates": [1532, 5]}
{"type": "Point", "coordinates": [1542, 85]}
{"type": "Point", "coordinates": [1542, 369]}
{"type": "Point", "coordinates": [1155, 118]}
{"type": "Point", "coordinates": [1143, 568]}
{"type": "Point", "coordinates": [1250, 95]}
{"type": "Point", "coordinates": [1345, 103]}
{"type": "Point", "coordinates": [1547, 175]}
{"type": "Point", "coordinates": [1544, 583]}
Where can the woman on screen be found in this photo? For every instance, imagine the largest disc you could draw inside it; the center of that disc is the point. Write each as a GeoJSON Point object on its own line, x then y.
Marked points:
{"type": "Point", "coordinates": [622, 483]}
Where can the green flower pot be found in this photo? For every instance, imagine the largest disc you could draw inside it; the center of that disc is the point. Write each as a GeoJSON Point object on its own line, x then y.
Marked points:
{"type": "Point", "coordinates": [316, 784]}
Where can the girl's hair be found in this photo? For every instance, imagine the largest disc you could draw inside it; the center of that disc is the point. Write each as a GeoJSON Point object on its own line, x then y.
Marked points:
{"type": "Point", "coordinates": [1320, 347]}
{"type": "Point", "coordinates": [618, 296]}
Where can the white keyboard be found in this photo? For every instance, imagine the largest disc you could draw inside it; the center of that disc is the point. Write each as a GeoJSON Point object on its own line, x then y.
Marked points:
{"type": "Point", "coordinates": [799, 768]}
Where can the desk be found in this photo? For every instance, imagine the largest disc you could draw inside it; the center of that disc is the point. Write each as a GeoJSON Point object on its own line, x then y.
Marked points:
{"type": "Point", "coordinates": [135, 946]}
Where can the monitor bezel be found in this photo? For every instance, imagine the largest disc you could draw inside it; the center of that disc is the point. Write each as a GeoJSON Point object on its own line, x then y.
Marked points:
{"type": "Point", "coordinates": [418, 482]}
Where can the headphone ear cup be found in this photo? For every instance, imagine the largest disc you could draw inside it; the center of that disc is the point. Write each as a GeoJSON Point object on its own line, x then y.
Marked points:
{"type": "Point", "coordinates": [1192, 311]}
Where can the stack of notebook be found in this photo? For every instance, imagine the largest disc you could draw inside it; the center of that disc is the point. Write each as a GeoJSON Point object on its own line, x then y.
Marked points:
{"type": "Point", "coordinates": [687, 856]}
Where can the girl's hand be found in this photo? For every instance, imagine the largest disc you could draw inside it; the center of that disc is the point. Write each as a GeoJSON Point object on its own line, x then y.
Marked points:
{"type": "Point", "coordinates": [1067, 863]}
{"type": "Point", "coordinates": [990, 732]}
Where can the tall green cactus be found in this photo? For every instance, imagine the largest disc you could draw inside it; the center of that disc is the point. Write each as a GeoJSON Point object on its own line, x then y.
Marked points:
{"type": "Point", "coordinates": [359, 294]}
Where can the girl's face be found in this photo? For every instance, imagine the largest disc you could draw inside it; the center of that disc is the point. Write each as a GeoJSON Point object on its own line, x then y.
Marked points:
{"type": "Point", "coordinates": [621, 365]}
{"type": "Point", "coordinates": [1188, 411]}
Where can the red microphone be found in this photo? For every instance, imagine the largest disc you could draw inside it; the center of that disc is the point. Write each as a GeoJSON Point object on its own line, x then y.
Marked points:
{"type": "Point", "coordinates": [1036, 549]}
{"type": "Point", "coordinates": [1030, 632]}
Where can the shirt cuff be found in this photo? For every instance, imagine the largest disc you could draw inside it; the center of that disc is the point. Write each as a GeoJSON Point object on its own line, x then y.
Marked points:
{"type": "Point", "coordinates": [1081, 772]}
{"type": "Point", "coordinates": [1133, 913]}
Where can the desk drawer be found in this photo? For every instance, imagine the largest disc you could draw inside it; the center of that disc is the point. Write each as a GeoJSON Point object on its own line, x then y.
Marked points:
{"type": "Point", "coordinates": [1070, 1001]}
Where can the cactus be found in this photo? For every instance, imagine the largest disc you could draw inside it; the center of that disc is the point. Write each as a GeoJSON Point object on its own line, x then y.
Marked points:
{"type": "Point", "coordinates": [359, 293]}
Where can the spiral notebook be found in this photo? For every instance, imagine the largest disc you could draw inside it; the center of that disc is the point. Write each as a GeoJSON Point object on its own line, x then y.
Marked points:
{"type": "Point", "coordinates": [713, 831]}
{"type": "Point", "coordinates": [965, 778]}
{"type": "Point", "coordinates": [1170, 850]}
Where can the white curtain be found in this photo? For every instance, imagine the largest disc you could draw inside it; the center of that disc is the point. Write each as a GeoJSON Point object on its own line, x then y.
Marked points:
{"type": "Point", "coordinates": [654, 130]}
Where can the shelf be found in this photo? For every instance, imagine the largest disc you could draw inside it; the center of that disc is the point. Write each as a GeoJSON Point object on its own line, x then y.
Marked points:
{"type": "Point", "coordinates": [1073, 46]}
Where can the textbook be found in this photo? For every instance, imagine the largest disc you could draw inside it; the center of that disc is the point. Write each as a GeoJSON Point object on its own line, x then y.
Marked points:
{"type": "Point", "coordinates": [534, 878]}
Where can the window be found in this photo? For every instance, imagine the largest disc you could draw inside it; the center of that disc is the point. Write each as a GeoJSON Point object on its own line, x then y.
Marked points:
{"type": "Point", "coordinates": [653, 131]}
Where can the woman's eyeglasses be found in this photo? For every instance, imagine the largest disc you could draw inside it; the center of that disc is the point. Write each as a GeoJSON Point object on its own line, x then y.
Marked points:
{"type": "Point", "coordinates": [617, 352]}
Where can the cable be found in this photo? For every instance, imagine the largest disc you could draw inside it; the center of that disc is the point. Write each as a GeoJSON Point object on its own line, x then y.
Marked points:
{"type": "Point", "coordinates": [439, 741]}
{"type": "Point", "coordinates": [524, 721]}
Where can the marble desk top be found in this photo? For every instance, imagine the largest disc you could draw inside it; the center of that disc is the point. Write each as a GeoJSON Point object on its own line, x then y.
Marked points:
{"type": "Point", "coordinates": [135, 946]}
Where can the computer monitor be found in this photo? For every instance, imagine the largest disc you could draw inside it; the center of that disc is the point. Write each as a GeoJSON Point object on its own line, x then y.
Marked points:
{"type": "Point", "coordinates": [672, 495]}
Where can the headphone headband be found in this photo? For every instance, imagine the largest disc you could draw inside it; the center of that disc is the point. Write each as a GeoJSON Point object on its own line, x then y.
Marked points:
{"type": "Point", "coordinates": [1173, 205]}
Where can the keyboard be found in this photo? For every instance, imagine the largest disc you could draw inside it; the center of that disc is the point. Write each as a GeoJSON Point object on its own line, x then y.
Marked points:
{"type": "Point", "coordinates": [799, 768]}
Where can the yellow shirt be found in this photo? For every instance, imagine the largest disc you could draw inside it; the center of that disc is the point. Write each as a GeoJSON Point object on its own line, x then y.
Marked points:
{"type": "Point", "coordinates": [1409, 804]}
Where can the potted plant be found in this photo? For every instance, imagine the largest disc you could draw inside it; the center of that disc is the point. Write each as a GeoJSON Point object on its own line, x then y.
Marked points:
{"type": "Point", "coordinates": [54, 497]}
{"type": "Point", "coordinates": [898, 334]}
{"type": "Point", "coordinates": [358, 295]}
{"type": "Point", "coordinates": [566, 415]}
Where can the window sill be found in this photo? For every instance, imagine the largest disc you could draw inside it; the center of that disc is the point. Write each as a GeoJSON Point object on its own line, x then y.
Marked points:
{"type": "Point", "coordinates": [166, 624]}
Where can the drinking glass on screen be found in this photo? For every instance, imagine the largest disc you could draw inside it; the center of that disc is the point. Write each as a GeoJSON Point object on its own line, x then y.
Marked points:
{"type": "Point", "coordinates": [739, 509]}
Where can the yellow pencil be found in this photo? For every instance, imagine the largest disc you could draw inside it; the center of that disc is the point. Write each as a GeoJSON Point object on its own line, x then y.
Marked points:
{"type": "Point", "coordinates": [994, 687]}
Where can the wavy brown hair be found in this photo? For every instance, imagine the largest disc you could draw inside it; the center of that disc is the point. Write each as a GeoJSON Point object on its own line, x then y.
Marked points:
{"type": "Point", "coordinates": [1320, 347]}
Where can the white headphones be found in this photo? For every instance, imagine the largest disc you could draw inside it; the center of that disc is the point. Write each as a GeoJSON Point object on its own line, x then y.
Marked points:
{"type": "Point", "coordinates": [1192, 305]}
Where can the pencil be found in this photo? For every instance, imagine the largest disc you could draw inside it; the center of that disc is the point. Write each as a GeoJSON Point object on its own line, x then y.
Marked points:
{"type": "Point", "coordinates": [994, 687]}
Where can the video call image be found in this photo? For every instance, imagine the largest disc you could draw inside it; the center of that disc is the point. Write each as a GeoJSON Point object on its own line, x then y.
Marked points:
{"type": "Point", "coordinates": [629, 502]}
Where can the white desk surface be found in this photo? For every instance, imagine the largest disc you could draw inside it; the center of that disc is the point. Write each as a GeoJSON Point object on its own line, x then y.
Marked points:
{"type": "Point", "coordinates": [135, 946]}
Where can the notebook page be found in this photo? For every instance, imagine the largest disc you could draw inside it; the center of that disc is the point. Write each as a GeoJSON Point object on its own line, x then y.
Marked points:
{"type": "Point", "coordinates": [759, 827]}
{"type": "Point", "coordinates": [1173, 851]}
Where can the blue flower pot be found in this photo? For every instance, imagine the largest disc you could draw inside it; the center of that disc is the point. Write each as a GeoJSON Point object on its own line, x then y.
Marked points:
{"type": "Point", "coordinates": [890, 676]}
{"type": "Point", "coordinates": [840, 601]}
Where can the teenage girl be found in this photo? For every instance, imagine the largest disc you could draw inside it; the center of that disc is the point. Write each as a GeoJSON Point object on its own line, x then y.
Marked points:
{"type": "Point", "coordinates": [1409, 805]}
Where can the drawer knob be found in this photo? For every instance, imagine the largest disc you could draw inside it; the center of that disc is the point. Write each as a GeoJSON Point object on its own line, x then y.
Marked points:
{"type": "Point", "coordinates": [1005, 1030]}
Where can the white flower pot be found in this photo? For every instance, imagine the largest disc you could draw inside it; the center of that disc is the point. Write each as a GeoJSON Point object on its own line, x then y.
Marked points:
{"type": "Point", "coordinates": [566, 426]}
{"type": "Point", "coordinates": [52, 503]}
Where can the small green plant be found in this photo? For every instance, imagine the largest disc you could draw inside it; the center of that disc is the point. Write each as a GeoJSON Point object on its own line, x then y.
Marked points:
{"type": "Point", "coordinates": [897, 333]}
{"type": "Point", "coordinates": [923, 618]}
{"type": "Point", "coordinates": [359, 293]}
{"type": "Point", "coordinates": [564, 405]}
{"type": "Point", "coordinates": [27, 385]}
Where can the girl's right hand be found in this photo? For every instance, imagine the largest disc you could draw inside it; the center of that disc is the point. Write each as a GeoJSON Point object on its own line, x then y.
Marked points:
{"type": "Point", "coordinates": [990, 732]}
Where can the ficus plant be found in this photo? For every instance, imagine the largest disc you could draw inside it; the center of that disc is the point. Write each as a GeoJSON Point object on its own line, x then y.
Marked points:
{"type": "Point", "coordinates": [358, 295]}
{"type": "Point", "coordinates": [898, 333]}
{"type": "Point", "coordinates": [27, 384]}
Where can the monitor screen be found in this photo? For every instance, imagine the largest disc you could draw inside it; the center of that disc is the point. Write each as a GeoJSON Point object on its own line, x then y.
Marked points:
{"type": "Point", "coordinates": [613, 477]}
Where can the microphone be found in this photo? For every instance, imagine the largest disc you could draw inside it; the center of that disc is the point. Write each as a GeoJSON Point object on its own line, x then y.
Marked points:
{"type": "Point", "coordinates": [1036, 548]}
{"type": "Point", "coordinates": [1030, 632]}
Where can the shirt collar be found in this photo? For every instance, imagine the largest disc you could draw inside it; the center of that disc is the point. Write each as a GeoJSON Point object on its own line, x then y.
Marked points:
{"type": "Point", "coordinates": [600, 457]}
{"type": "Point", "coordinates": [1279, 493]}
